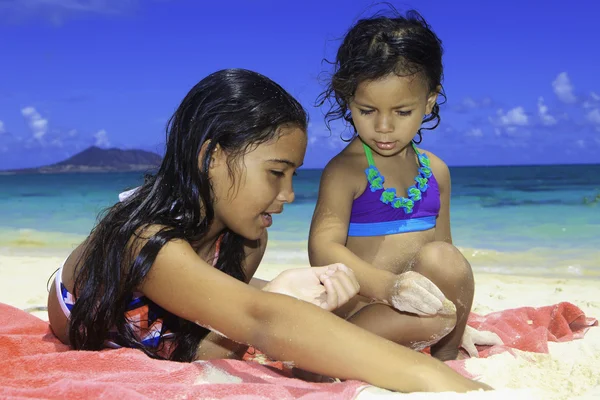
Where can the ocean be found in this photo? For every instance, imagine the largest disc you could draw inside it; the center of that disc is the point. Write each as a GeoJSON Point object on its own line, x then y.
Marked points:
{"type": "Point", "coordinates": [530, 220]}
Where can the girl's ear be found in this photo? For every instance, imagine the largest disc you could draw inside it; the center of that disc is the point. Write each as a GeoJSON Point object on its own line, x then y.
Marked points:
{"type": "Point", "coordinates": [432, 99]}
{"type": "Point", "coordinates": [215, 156]}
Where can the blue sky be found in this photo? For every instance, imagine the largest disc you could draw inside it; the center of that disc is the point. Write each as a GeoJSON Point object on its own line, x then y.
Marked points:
{"type": "Point", "coordinates": [521, 77]}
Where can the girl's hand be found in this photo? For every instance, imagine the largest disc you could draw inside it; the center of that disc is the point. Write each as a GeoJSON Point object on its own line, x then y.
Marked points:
{"type": "Point", "coordinates": [473, 337]}
{"type": "Point", "coordinates": [414, 293]}
{"type": "Point", "coordinates": [328, 287]}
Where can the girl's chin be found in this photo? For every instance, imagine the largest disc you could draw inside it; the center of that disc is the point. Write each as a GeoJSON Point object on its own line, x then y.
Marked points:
{"type": "Point", "coordinates": [251, 235]}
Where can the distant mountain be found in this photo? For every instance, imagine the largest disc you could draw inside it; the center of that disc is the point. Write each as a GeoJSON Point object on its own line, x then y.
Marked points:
{"type": "Point", "coordinates": [95, 159]}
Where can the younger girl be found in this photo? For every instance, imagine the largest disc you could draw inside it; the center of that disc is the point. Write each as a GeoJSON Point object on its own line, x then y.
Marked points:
{"type": "Point", "coordinates": [384, 204]}
{"type": "Point", "coordinates": [171, 262]}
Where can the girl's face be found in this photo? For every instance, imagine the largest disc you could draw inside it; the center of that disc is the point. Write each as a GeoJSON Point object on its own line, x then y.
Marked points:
{"type": "Point", "coordinates": [388, 112]}
{"type": "Point", "coordinates": [261, 182]}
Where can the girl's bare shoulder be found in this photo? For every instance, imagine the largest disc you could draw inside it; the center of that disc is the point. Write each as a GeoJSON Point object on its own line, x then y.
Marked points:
{"type": "Point", "coordinates": [347, 169]}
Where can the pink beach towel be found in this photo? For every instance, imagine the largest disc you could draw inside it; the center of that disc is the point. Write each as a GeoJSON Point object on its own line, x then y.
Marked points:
{"type": "Point", "coordinates": [36, 365]}
{"type": "Point", "coordinates": [529, 329]}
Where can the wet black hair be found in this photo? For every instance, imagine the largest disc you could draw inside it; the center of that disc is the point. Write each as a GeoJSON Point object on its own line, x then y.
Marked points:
{"type": "Point", "coordinates": [234, 109]}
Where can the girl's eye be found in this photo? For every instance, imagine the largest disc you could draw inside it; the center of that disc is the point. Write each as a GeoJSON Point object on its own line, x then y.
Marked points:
{"type": "Point", "coordinates": [281, 174]}
{"type": "Point", "coordinates": [365, 112]}
{"type": "Point", "coordinates": [404, 113]}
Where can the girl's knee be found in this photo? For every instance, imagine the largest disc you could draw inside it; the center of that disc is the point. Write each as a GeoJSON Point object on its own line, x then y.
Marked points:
{"type": "Point", "coordinates": [439, 252]}
{"type": "Point", "coordinates": [444, 325]}
{"type": "Point", "coordinates": [435, 332]}
{"type": "Point", "coordinates": [443, 263]}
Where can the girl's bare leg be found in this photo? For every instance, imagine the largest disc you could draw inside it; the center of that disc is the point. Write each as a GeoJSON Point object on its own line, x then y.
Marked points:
{"type": "Point", "coordinates": [445, 266]}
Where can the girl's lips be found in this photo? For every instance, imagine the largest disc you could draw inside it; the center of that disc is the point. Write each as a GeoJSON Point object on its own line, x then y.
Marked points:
{"type": "Point", "coordinates": [267, 219]}
{"type": "Point", "coordinates": [385, 145]}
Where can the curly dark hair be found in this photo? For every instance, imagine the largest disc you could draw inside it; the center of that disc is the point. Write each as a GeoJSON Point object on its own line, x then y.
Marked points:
{"type": "Point", "coordinates": [379, 46]}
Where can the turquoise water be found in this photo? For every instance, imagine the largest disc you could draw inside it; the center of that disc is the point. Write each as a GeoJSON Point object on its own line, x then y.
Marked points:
{"type": "Point", "coordinates": [505, 219]}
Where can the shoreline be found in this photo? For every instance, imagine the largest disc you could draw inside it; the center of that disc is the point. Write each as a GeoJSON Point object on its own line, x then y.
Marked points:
{"type": "Point", "coordinates": [535, 262]}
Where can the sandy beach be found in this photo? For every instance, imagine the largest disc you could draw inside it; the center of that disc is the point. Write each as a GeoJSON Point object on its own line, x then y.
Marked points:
{"type": "Point", "coordinates": [570, 371]}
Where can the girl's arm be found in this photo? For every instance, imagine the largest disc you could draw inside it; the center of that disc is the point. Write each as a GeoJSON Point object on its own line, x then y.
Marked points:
{"type": "Point", "coordinates": [288, 329]}
{"type": "Point", "coordinates": [303, 283]}
{"type": "Point", "coordinates": [329, 287]}
{"type": "Point", "coordinates": [258, 283]}
{"type": "Point", "coordinates": [215, 346]}
{"type": "Point", "coordinates": [329, 232]}
{"type": "Point", "coordinates": [442, 175]}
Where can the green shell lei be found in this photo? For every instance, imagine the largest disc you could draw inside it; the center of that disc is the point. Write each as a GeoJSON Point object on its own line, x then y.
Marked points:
{"type": "Point", "coordinates": [389, 196]}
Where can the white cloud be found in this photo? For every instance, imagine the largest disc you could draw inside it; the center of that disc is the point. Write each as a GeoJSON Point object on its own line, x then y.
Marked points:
{"type": "Point", "coordinates": [37, 124]}
{"type": "Point", "coordinates": [592, 101]}
{"type": "Point", "coordinates": [469, 103]}
{"type": "Point", "coordinates": [333, 142]}
{"type": "Point", "coordinates": [312, 138]}
{"type": "Point", "coordinates": [514, 117]}
{"type": "Point", "coordinates": [2, 128]}
{"type": "Point", "coordinates": [563, 88]}
{"type": "Point", "coordinates": [486, 101]}
{"type": "Point", "coordinates": [101, 139]}
{"type": "Point", "coordinates": [513, 123]}
{"type": "Point", "coordinates": [57, 11]}
{"type": "Point", "coordinates": [82, 6]}
{"type": "Point", "coordinates": [325, 140]}
{"type": "Point", "coordinates": [320, 135]}
{"type": "Point", "coordinates": [594, 117]}
{"type": "Point", "coordinates": [546, 118]}
{"type": "Point", "coordinates": [475, 132]}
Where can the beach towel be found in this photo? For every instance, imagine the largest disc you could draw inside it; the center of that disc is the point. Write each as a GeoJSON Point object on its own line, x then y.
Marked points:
{"type": "Point", "coordinates": [36, 365]}
{"type": "Point", "coordinates": [529, 329]}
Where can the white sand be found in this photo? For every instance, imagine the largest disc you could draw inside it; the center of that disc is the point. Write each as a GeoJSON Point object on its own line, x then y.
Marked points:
{"type": "Point", "coordinates": [23, 280]}
{"type": "Point", "coordinates": [570, 371]}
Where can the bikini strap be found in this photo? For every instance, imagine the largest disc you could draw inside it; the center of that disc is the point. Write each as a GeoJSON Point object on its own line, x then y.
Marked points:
{"type": "Point", "coordinates": [217, 249]}
{"type": "Point", "coordinates": [414, 146]}
{"type": "Point", "coordinates": [369, 155]}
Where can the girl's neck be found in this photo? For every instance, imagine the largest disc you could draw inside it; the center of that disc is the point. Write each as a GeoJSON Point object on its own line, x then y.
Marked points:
{"type": "Point", "coordinates": [406, 153]}
{"type": "Point", "coordinates": [205, 246]}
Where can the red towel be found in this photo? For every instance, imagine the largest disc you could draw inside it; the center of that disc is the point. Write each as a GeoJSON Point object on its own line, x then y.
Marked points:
{"type": "Point", "coordinates": [529, 329]}
{"type": "Point", "coordinates": [34, 364]}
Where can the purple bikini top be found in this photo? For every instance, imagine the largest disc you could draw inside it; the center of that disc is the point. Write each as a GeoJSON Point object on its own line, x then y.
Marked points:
{"type": "Point", "coordinates": [379, 211]}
